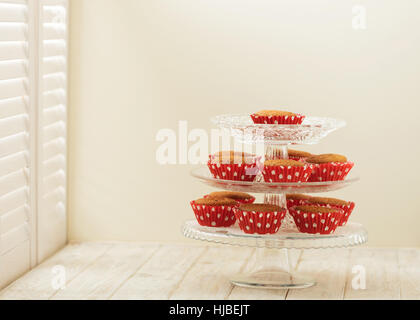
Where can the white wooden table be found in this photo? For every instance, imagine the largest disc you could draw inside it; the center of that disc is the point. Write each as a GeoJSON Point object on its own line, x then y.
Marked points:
{"type": "Point", "coordinates": [157, 271]}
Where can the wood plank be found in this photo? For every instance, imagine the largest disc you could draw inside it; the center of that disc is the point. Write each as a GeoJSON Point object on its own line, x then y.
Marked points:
{"type": "Point", "coordinates": [209, 276]}
{"type": "Point", "coordinates": [409, 262]}
{"type": "Point", "coordinates": [239, 293]}
{"type": "Point", "coordinates": [382, 274]}
{"type": "Point", "coordinates": [108, 272]}
{"type": "Point", "coordinates": [328, 267]}
{"type": "Point", "coordinates": [37, 284]}
{"type": "Point", "coordinates": [161, 275]}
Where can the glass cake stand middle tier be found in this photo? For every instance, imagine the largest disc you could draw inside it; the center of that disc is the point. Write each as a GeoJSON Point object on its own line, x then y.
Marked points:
{"type": "Point", "coordinates": [203, 174]}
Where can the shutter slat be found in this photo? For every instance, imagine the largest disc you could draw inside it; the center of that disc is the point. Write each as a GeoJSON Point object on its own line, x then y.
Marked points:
{"type": "Point", "coordinates": [11, 31]}
{"type": "Point", "coordinates": [54, 181]}
{"type": "Point", "coordinates": [54, 148]}
{"type": "Point", "coordinates": [13, 181]}
{"type": "Point", "coordinates": [54, 81]}
{"type": "Point", "coordinates": [54, 98]}
{"type": "Point", "coordinates": [13, 125]}
{"type": "Point", "coordinates": [54, 165]}
{"type": "Point", "coordinates": [14, 144]}
{"type": "Point", "coordinates": [54, 114]}
{"type": "Point", "coordinates": [14, 200]}
{"type": "Point", "coordinates": [53, 31]}
{"type": "Point", "coordinates": [14, 219]}
{"type": "Point", "coordinates": [54, 131]}
{"type": "Point", "coordinates": [14, 238]}
{"type": "Point", "coordinates": [13, 12]}
{"type": "Point", "coordinates": [54, 14]}
{"type": "Point", "coordinates": [13, 106]}
{"type": "Point", "coordinates": [54, 65]}
{"type": "Point", "coordinates": [54, 48]}
{"type": "Point", "coordinates": [13, 88]}
{"type": "Point", "coordinates": [13, 163]}
{"type": "Point", "coordinates": [13, 50]}
{"type": "Point", "coordinates": [13, 69]}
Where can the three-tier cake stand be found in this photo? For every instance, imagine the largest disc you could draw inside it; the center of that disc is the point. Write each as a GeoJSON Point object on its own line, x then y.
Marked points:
{"type": "Point", "coordinates": [273, 267]}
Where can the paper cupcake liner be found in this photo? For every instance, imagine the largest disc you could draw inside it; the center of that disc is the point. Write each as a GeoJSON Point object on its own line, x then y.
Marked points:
{"type": "Point", "coordinates": [316, 223]}
{"type": "Point", "coordinates": [237, 172]}
{"type": "Point", "coordinates": [332, 171]}
{"type": "Point", "coordinates": [259, 222]}
{"type": "Point", "coordinates": [241, 201]}
{"type": "Point", "coordinates": [296, 202]}
{"type": "Point", "coordinates": [297, 119]}
{"type": "Point", "coordinates": [286, 174]}
{"type": "Point", "coordinates": [214, 216]}
{"type": "Point", "coordinates": [347, 209]}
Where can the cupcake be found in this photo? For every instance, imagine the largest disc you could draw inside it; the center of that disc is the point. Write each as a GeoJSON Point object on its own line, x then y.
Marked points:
{"type": "Point", "coordinates": [346, 206]}
{"type": "Point", "coordinates": [214, 212]}
{"type": "Point", "coordinates": [296, 199]}
{"type": "Point", "coordinates": [277, 117]}
{"type": "Point", "coordinates": [293, 155]}
{"type": "Point", "coordinates": [329, 167]}
{"type": "Point", "coordinates": [259, 218]}
{"type": "Point", "coordinates": [316, 219]}
{"type": "Point", "coordinates": [232, 165]}
{"type": "Point", "coordinates": [282, 170]}
{"type": "Point", "coordinates": [298, 155]}
{"type": "Point", "coordinates": [241, 197]}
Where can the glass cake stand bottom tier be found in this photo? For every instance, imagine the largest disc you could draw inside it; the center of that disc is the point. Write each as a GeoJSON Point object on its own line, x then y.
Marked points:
{"type": "Point", "coordinates": [273, 267]}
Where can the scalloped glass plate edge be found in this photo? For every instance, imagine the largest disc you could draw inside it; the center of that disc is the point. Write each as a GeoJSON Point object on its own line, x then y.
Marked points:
{"type": "Point", "coordinates": [341, 238]}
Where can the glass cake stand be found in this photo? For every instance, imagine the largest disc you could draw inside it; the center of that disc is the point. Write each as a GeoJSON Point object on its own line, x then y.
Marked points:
{"type": "Point", "coordinates": [311, 131]}
{"type": "Point", "coordinates": [273, 267]}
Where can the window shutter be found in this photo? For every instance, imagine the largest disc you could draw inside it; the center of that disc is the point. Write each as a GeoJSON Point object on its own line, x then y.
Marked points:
{"type": "Point", "coordinates": [33, 112]}
{"type": "Point", "coordinates": [15, 149]}
{"type": "Point", "coordinates": [52, 221]}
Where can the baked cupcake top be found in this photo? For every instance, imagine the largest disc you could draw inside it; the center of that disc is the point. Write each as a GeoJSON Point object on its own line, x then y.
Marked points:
{"type": "Point", "coordinates": [297, 196]}
{"type": "Point", "coordinates": [284, 163]}
{"type": "Point", "coordinates": [326, 158]}
{"type": "Point", "coordinates": [260, 207]}
{"type": "Point", "coordinates": [272, 113]}
{"type": "Point", "coordinates": [230, 195]}
{"type": "Point", "coordinates": [316, 209]}
{"type": "Point", "coordinates": [216, 202]}
{"type": "Point", "coordinates": [331, 201]}
{"type": "Point", "coordinates": [298, 153]}
{"type": "Point", "coordinates": [232, 157]}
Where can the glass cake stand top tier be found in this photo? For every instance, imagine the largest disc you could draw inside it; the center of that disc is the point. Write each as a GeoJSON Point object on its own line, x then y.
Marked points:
{"type": "Point", "coordinates": [352, 234]}
{"type": "Point", "coordinates": [259, 186]}
{"type": "Point", "coordinates": [311, 131]}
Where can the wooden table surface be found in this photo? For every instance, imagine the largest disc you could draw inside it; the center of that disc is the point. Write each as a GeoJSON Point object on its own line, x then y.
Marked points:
{"type": "Point", "coordinates": [160, 271]}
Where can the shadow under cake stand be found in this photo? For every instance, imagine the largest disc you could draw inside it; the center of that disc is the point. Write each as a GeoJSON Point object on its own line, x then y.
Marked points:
{"type": "Point", "coordinates": [273, 264]}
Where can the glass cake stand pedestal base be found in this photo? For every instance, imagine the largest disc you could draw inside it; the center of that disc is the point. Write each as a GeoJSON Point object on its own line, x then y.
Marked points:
{"type": "Point", "coordinates": [273, 269]}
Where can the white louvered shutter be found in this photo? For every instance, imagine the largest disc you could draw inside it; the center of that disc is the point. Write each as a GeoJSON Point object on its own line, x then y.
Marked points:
{"type": "Point", "coordinates": [32, 133]}
{"type": "Point", "coordinates": [52, 222]}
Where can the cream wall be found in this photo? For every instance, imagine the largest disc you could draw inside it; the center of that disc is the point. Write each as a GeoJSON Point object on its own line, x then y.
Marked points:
{"type": "Point", "coordinates": [139, 66]}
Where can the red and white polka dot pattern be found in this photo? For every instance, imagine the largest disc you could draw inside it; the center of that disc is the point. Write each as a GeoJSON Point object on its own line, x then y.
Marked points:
{"type": "Point", "coordinates": [295, 202]}
{"type": "Point", "coordinates": [237, 172]}
{"type": "Point", "coordinates": [316, 223]}
{"type": "Point", "coordinates": [259, 222]}
{"type": "Point", "coordinates": [214, 216]}
{"type": "Point", "coordinates": [347, 209]}
{"type": "Point", "coordinates": [287, 173]}
{"type": "Point", "coordinates": [296, 119]}
{"type": "Point", "coordinates": [332, 171]}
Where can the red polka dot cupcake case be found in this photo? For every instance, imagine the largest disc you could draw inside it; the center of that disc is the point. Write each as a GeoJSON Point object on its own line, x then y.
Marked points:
{"type": "Point", "coordinates": [259, 218]}
{"type": "Point", "coordinates": [315, 219]}
{"type": "Point", "coordinates": [329, 167]}
{"type": "Point", "coordinates": [286, 171]}
{"type": "Point", "coordinates": [245, 169]}
{"type": "Point", "coordinates": [211, 215]}
{"type": "Point", "coordinates": [277, 117]}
